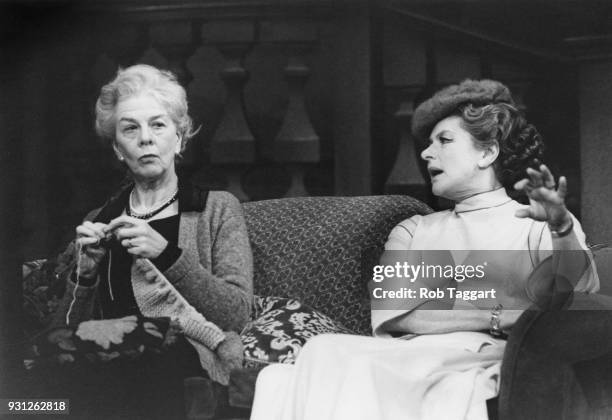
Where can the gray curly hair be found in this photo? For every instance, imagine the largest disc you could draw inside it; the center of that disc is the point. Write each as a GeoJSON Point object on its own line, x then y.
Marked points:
{"type": "Point", "coordinates": [138, 79]}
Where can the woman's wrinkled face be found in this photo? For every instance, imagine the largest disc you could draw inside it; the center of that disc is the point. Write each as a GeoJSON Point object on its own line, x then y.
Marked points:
{"type": "Point", "coordinates": [146, 138]}
{"type": "Point", "coordinates": [452, 160]}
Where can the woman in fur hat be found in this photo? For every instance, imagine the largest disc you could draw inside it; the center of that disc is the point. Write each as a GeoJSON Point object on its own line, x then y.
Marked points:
{"type": "Point", "coordinates": [478, 144]}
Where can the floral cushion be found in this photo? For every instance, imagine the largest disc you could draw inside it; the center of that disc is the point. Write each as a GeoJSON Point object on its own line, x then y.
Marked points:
{"type": "Point", "coordinates": [150, 334]}
{"type": "Point", "coordinates": [281, 328]}
{"type": "Point", "coordinates": [44, 283]}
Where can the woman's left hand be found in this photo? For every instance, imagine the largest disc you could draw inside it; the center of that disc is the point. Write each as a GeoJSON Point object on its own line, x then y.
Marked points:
{"type": "Point", "coordinates": [137, 236]}
{"type": "Point", "coordinates": [545, 202]}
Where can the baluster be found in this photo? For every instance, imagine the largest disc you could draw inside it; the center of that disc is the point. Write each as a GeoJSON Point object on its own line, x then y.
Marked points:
{"type": "Point", "coordinates": [297, 143]}
{"type": "Point", "coordinates": [176, 42]}
{"type": "Point", "coordinates": [405, 176]}
{"type": "Point", "coordinates": [233, 144]}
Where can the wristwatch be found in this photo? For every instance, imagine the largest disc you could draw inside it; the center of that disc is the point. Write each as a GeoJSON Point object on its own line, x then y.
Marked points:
{"type": "Point", "coordinates": [563, 231]}
{"type": "Point", "coordinates": [494, 325]}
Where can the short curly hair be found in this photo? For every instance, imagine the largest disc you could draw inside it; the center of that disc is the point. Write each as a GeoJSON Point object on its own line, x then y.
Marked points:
{"type": "Point", "coordinates": [488, 112]}
{"type": "Point", "coordinates": [139, 79]}
{"type": "Point", "coordinates": [520, 144]}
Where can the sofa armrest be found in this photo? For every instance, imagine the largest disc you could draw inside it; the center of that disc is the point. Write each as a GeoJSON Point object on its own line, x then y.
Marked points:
{"type": "Point", "coordinates": [242, 387]}
{"type": "Point", "coordinates": [558, 364]}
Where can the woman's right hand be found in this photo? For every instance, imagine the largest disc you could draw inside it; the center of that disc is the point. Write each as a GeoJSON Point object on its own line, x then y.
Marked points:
{"type": "Point", "coordinates": [89, 240]}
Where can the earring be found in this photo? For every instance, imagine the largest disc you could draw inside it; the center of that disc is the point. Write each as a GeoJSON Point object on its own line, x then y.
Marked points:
{"type": "Point", "coordinates": [120, 158]}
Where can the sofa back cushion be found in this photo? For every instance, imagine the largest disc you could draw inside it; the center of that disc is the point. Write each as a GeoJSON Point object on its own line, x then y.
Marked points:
{"type": "Point", "coordinates": [315, 249]}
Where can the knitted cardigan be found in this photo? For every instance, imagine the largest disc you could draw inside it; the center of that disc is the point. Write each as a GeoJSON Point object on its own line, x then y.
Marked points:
{"type": "Point", "coordinates": [209, 287]}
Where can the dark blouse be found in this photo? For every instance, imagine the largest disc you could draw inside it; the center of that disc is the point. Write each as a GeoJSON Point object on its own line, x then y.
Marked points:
{"type": "Point", "coordinates": [117, 298]}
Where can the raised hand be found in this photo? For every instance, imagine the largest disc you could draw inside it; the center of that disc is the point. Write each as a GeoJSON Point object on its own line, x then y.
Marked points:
{"type": "Point", "coordinates": [89, 239]}
{"type": "Point", "coordinates": [546, 201]}
{"type": "Point", "coordinates": [137, 236]}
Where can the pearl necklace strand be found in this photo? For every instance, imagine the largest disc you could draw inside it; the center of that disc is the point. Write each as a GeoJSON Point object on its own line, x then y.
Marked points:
{"type": "Point", "coordinates": [144, 216]}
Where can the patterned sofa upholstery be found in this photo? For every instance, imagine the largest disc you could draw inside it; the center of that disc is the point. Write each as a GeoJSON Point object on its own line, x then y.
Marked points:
{"type": "Point", "coordinates": [314, 249]}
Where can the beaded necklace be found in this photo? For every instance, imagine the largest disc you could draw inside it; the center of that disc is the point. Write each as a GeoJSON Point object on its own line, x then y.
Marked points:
{"type": "Point", "coordinates": [146, 216]}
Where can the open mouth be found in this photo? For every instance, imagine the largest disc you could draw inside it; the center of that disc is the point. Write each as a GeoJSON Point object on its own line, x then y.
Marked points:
{"type": "Point", "coordinates": [433, 172]}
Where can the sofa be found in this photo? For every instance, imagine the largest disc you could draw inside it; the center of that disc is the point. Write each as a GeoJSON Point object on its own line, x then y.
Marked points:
{"type": "Point", "coordinates": [319, 250]}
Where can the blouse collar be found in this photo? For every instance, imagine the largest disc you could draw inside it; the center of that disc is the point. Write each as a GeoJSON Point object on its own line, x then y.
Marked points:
{"type": "Point", "coordinates": [483, 200]}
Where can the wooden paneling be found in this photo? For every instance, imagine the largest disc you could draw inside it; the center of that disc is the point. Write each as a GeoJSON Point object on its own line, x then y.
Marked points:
{"type": "Point", "coordinates": [596, 149]}
{"type": "Point", "coordinates": [362, 62]}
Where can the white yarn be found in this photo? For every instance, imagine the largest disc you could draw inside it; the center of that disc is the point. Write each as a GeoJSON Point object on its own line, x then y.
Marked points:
{"type": "Point", "coordinates": [108, 275]}
{"type": "Point", "coordinates": [78, 271]}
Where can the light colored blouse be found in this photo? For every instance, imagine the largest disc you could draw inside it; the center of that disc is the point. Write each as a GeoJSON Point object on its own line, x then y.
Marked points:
{"type": "Point", "coordinates": [484, 221]}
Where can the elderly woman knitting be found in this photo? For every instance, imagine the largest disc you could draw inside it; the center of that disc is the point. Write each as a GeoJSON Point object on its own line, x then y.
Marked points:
{"type": "Point", "coordinates": [161, 247]}
{"type": "Point", "coordinates": [440, 359]}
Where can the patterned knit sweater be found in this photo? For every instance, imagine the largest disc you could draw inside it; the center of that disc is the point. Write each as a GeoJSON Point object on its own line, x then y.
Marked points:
{"type": "Point", "coordinates": [208, 289]}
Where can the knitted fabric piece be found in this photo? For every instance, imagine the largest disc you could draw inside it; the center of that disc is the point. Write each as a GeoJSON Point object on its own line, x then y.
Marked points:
{"type": "Point", "coordinates": [157, 297]}
{"type": "Point", "coordinates": [445, 102]}
{"type": "Point", "coordinates": [320, 250]}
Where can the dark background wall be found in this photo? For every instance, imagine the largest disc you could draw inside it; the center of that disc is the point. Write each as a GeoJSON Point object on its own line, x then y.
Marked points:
{"type": "Point", "coordinates": [364, 61]}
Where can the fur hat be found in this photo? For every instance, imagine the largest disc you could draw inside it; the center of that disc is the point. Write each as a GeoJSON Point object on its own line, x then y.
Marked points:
{"type": "Point", "coordinates": [444, 102]}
